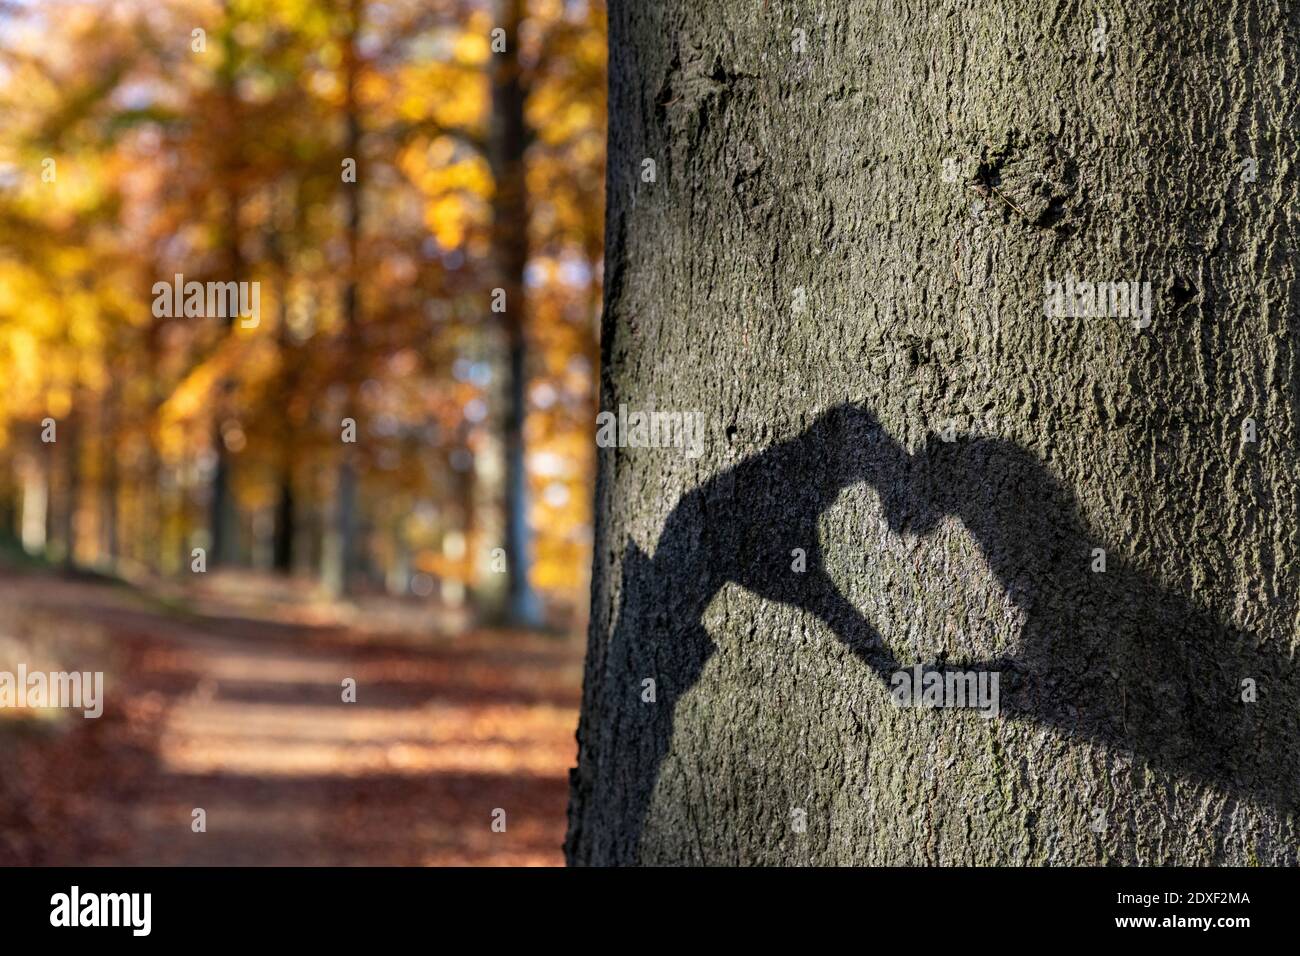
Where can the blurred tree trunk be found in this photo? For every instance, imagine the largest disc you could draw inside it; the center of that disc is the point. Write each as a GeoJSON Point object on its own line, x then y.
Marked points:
{"type": "Point", "coordinates": [223, 522]}
{"type": "Point", "coordinates": [69, 442]}
{"type": "Point", "coordinates": [341, 562]}
{"type": "Point", "coordinates": [35, 478]}
{"type": "Point", "coordinates": [285, 529]}
{"type": "Point", "coordinates": [863, 206]}
{"type": "Point", "coordinates": [10, 485]}
{"type": "Point", "coordinates": [398, 574]}
{"type": "Point", "coordinates": [148, 547]}
{"type": "Point", "coordinates": [109, 483]}
{"type": "Point", "coordinates": [286, 217]}
{"type": "Point", "coordinates": [152, 504]}
{"type": "Point", "coordinates": [465, 488]}
{"type": "Point", "coordinates": [508, 143]}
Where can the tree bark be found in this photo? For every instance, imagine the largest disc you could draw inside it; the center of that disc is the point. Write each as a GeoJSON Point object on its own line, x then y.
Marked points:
{"type": "Point", "coordinates": [841, 264]}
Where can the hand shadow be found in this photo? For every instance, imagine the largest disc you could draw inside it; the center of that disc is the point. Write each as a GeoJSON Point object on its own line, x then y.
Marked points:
{"type": "Point", "coordinates": [1112, 657]}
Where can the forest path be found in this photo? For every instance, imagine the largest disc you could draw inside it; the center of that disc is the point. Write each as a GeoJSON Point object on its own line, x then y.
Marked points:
{"type": "Point", "coordinates": [241, 714]}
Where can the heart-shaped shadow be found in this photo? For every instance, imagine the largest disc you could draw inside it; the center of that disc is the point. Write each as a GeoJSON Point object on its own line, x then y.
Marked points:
{"type": "Point", "coordinates": [1111, 657]}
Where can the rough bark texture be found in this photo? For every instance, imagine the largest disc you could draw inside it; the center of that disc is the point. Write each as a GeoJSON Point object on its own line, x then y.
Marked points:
{"type": "Point", "coordinates": [803, 273]}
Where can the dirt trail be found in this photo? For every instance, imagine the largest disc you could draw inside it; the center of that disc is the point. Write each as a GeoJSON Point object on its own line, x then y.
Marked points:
{"type": "Point", "coordinates": [242, 715]}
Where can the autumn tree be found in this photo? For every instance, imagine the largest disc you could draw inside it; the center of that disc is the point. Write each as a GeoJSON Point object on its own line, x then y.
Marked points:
{"type": "Point", "coordinates": [338, 155]}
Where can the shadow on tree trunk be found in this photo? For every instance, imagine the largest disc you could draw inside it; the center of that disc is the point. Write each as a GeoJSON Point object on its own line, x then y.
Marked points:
{"type": "Point", "coordinates": [1151, 673]}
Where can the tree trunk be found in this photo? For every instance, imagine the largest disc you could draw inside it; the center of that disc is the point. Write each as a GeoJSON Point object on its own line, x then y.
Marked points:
{"type": "Point", "coordinates": [508, 144]}
{"type": "Point", "coordinates": [285, 223]}
{"type": "Point", "coordinates": [153, 504]}
{"type": "Point", "coordinates": [285, 528]}
{"type": "Point", "coordinates": [70, 443]}
{"type": "Point", "coordinates": [843, 263]}
{"type": "Point", "coordinates": [36, 500]}
{"type": "Point", "coordinates": [9, 494]}
{"type": "Point", "coordinates": [109, 480]}
{"type": "Point", "coordinates": [151, 510]}
{"type": "Point", "coordinates": [341, 563]}
{"type": "Point", "coordinates": [223, 509]}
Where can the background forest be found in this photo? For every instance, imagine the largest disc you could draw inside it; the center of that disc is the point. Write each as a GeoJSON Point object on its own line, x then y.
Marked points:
{"type": "Point", "coordinates": [401, 436]}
